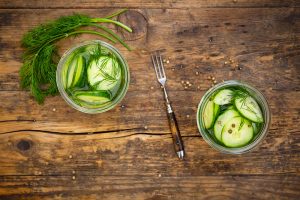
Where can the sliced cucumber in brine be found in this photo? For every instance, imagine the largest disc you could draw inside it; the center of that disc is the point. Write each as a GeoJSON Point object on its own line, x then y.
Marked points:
{"type": "Point", "coordinates": [73, 72]}
{"type": "Point", "coordinates": [237, 132]}
{"type": "Point", "coordinates": [249, 108]}
{"type": "Point", "coordinates": [256, 127]}
{"type": "Point", "coordinates": [222, 120]}
{"type": "Point", "coordinates": [208, 114]}
{"type": "Point", "coordinates": [216, 110]}
{"type": "Point", "coordinates": [223, 97]}
{"type": "Point", "coordinates": [103, 73]}
{"type": "Point", "coordinates": [92, 97]}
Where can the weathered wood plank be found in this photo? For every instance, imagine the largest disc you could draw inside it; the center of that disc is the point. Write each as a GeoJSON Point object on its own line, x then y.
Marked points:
{"type": "Point", "coordinates": [147, 4]}
{"type": "Point", "coordinates": [138, 153]}
{"type": "Point", "coordinates": [153, 187]}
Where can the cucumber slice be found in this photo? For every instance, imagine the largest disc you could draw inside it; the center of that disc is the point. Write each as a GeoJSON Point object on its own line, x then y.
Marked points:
{"type": "Point", "coordinates": [256, 127]}
{"type": "Point", "coordinates": [74, 71]}
{"type": "Point", "coordinates": [249, 108]}
{"type": "Point", "coordinates": [92, 97]}
{"type": "Point", "coordinates": [222, 120]}
{"type": "Point", "coordinates": [237, 132]}
{"type": "Point", "coordinates": [223, 97]}
{"type": "Point", "coordinates": [208, 114]}
{"type": "Point", "coordinates": [216, 110]}
{"type": "Point", "coordinates": [103, 73]}
{"type": "Point", "coordinates": [64, 75]}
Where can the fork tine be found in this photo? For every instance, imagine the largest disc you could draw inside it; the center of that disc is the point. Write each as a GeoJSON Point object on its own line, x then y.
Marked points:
{"type": "Point", "coordinates": [158, 65]}
{"type": "Point", "coordinates": [162, 66]}
{"type": "Point", "coordinates": [154, 65]}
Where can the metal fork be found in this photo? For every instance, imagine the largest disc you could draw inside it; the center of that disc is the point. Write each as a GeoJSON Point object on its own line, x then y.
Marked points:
{"type": "Point", "coordinates": [162, 79]}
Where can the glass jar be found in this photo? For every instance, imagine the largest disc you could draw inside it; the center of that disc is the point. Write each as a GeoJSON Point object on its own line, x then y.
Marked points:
{"type": "Point", "coordinates": [258, 138]}
{"type": "Point", "coordinates": [121, 92]}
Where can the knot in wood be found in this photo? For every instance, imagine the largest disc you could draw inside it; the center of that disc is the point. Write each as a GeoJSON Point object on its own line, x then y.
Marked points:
{"type": "Point", "coordinates": [137, 22]}
{"type": "Point", "coordinates": [24, 145]}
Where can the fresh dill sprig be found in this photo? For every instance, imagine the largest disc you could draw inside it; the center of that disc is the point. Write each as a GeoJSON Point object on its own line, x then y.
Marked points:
{"type": "Point", "coordinates": [38, 72]}
{"type": "Point", "coordinates": [240, 93]}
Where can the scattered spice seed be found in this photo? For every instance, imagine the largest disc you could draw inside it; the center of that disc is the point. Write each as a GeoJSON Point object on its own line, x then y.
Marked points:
{"type": "Point", "coordinates": [198, 87]}
{"type": "Point", "coordinates": [182, 82]}
{"type": "Point", "coordinates": [152, 87]}
{"type": "Point", "coordinates": [168, 61]}
{"type": "Point", "coordinates": [229, 131]}
{"type": "Point", "coordinates": [187, 82]}
{"type": "Point", "coordinates": [208, 77]}
{"type": "Point", "coordinates": [54, 109]}
{"type": "Point", "coordinates": [213, 78]}
{"type": "Point", "coordinates": [73, 172]}
{"type": "Point", "coordinates": [159, 175]}
{"type": "Point", "coordinates": [185, 87]}
{"type": "Point", "coordinates": [233, 125]}
{"type": "Point", "coordinates": [190, 84]}
{"type": "Point", "coordinates": [146, 127]}
{"type": "Point", "coordinates": [225, 62]}
{"type": "Point", "coordinates": [215, 82]}
{"type": "Point", "coordinates": [73, 177]}
{"type": "Point", "coordinates": [187, 116]}
{"type": "Point", "coordinates": [197, 73]}
{"type": "Point", "coordinates": [70, 156]}
{"type": "Point", "coordinates": [122, 106]}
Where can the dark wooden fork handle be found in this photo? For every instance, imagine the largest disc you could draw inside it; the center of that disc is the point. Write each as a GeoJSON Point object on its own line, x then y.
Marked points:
{"type": "Point", "coordinates": [177, 140]}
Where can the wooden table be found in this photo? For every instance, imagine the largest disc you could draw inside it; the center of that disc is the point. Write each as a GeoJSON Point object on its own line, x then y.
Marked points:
{"type": "Point", "coordinates": [52, 151]}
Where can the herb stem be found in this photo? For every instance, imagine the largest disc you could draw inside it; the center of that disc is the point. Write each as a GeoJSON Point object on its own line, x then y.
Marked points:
{"type": "Point", "coordinates": [92, 32]}
{"type": "Point", "coordinates": [116, 13]}
{"type": "Point", "coordinates": [111, 33]}
{"type": "Point", "coordinates": [104, 20]}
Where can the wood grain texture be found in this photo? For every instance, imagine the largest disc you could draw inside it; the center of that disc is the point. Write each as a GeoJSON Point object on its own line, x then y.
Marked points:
{"type": "Point", "coordinates": [180, 4]}
{"type": "Point", "coordinates": [127, 153]}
